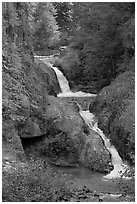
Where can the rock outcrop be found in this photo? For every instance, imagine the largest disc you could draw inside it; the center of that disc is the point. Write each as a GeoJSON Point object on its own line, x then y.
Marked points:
{"type": "Point", "coordinates": [64, 134]}
{"type": "Point", "coordinates": [70, 142]}
{"type": "Point", "coordinates": [95, 155]}
{"type": "Point", "coordinates": [33, 107]}
{"type": "Point", "coordinates": [24, 104]}
{"type": "Point", "coordinates": [13, 155]}
{"type": "Point", "coordinates": [115, 108]}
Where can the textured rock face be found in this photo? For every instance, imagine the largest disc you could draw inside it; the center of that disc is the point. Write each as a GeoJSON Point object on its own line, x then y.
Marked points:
{"type": "Point", "coordinates": [13, 155]}
{"type": "Point", "coordinates": [95, 155]}
{"type": "Point", "coordinates": [43, 81]}
{"type": "Point", "coordinates": [69, 63]}
{"type": "Point", "coordinates": [11, 138]}
{"type": "Point", "coordinates": [72, 140]}
{"type": "Point", "coordinates": [69, 59]}
{"type": "Point", "coordinates": [61, 117]}
{"type": "Point", "coordinates": [115, 108]}
{"type": "Point", "coordinates": [49, 78]}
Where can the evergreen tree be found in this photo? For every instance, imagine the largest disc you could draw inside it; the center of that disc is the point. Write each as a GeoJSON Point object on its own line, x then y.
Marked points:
{"type": "Point", "coordinates": [106, 31]}
{"type": "Point", "coordinates": [45, 26]}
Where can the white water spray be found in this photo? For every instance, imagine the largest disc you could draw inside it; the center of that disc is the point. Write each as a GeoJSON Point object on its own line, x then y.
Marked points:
{"type": "Point", "coordinates": [63, 82]}
{"type": "Point", "coordinates": [119, 166]}
{"type": "Point", "coordinates": [65, 88]}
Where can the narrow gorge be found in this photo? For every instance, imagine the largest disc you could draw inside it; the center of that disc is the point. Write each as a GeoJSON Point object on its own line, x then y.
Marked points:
{"type": "Point", "coordinates": [68, 102]}
{"type": "Point", "coordinates": [119, 167]}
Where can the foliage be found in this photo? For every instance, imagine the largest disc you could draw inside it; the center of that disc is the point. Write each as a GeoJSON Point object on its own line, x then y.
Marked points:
{"type": "Point", "coordinates": [106, 31]}
{"type": "Point", "coordinates": [64, 20]}
{"type": "Point", "coordinates": [37, 183]}
{"type": "Point", "coordinates": [12, 74]}
{"type": "Point", "coordinates": [44, 26]}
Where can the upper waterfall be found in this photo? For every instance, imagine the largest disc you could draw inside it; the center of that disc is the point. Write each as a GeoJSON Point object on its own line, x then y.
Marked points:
{"type": "Point", "coordinates": [65, 88]}
{"type": "Point", "coordinates": [63, 82]}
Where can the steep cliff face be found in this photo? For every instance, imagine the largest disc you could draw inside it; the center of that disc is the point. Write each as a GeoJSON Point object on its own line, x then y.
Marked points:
{"type": "Point", "coordinates": [35, 113]}
{"type": "Point", "coordinates": [25, 91]}
{"type": "Point", "coordinates": [115, 108]}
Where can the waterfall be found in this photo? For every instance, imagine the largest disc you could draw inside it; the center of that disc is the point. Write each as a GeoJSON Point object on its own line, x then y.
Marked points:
{"type": "Point", "coordinates": [119, 166]}
{"type": "Point", "coordinates": [64, 85]}
{"type": "Point", "coordinates": [63, 82]}
{"type": "Point", "coordinates": [89, 118]}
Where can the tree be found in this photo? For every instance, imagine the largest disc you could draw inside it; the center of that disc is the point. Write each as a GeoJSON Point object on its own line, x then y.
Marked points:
{"type": "Point", "coordinates": [45, 28]}
{"type": "Point", "coordinates": [64, 19]}
{"type": "Point", "coordinates": [106, 31]}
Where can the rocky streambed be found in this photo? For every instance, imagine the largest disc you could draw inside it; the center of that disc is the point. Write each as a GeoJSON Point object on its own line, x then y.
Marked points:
{"type": "Point", "coordinates": [88, 186]}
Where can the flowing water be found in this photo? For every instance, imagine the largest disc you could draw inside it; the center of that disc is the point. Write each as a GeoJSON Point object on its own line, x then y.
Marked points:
{"type": "Point", "coordinates": [119, 166]}
{"type": "Point", "coordinates": [63, 82]}
{"type": "Point", "coordinates": [64, 85]}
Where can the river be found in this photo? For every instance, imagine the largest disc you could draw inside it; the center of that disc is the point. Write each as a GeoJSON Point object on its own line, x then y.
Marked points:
{"type": "Point", "coordinates": [82, 176]}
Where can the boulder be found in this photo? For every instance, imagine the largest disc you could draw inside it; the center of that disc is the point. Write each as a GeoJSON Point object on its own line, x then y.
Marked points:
{"type": "Point", "coordinates": [61, 117]}
{"type": "Point", "coordinates": [95, 155]}
{"type": "Point", "coordinates": [13, 156]}
{"type": "Point", "coordinates": [11, 139]}
{"type": "Point", "coordinates": [115, 108]}
{"type": "Point", "coordinates": [48, 78]}
{"type": "Point", "coordinates": [31, 120]}
{"type": "Point", "coordinates": [71, 141]}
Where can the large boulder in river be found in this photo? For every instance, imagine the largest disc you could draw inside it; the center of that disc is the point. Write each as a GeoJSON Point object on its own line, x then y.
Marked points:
{"type": "Point", "coordinates": [115, 108]}
{"type": "Point", "coordinates": [63, 119]}
{"type": "Point", "coordinates": [95, 155]}
{"type": "Point", "coordinates": [70, 142]}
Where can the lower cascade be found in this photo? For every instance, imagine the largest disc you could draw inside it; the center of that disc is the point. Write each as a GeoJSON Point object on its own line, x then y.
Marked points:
{"type": "Point", "coordinates": [119, 167]}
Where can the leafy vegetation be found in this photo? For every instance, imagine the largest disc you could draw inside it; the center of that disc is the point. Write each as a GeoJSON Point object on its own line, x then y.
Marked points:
{"type": "Point", "coordinates": [104, 37]}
